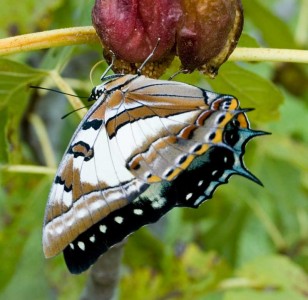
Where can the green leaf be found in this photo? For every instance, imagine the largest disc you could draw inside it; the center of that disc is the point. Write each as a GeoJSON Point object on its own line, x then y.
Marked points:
{"type": "Point", "coordinates": [143, 248]}
{"type": "Point", "coordinates": [23, 214]}
{"type": "Point", "coordinates": [4, 147]}
{"type": "Point", "coordinates": [263, 295]}
{"type": "Point", "coordinates": [193, 274]}
{"type": "Point", "coordinates": [15, 76]}
{"type": "Point", "coordinates": [30, 263]}
{"type": "Point", "coordinates": [14, 91]}
{"type": "Point", "coordinates": [271, 277]}
{"type": "Point", "coordinates": [27, 15]}
{"type": "Point", "coordinates": [57, 58]}
{"type": "Point", "coordinates": [275, 31]}
{"type": "Point", "coordinates": [293, 124]}
{"type": "Point", "coordinates": [247, 40]}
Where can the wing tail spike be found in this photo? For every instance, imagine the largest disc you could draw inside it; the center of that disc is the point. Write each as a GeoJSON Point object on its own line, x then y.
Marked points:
{"type": "Point", "coordinates": [255, 133]}
{"type": "Point", "coordinates": [260, 132]}
{"type": "Point", "coordinates": [247, 174]}
{"type": "Point", "coordinates": [244, 110]}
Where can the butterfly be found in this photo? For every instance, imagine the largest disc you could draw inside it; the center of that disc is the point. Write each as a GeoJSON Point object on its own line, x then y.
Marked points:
{"type": "Point", "coordinates": [143, 148]}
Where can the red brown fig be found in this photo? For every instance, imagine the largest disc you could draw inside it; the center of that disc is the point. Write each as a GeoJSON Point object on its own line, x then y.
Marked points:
{"type": "Point", "coordinates": [208, 33]}
{"type": "Point", "coordinates": [203, 33]}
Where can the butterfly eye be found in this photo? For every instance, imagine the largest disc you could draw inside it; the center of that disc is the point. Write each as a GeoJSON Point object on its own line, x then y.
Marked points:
{"type": "Point", "coordinates": [93, 95]}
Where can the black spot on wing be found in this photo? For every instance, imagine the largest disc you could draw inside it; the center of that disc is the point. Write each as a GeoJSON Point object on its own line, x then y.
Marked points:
{"type": "Point", "coordinates": [81, 149]}
{"type": "Point", "coordinates": [58, 180]}
{"type": "Point", "coordinates": [231, 133]}
{"type": "Point", "coordinates": [205, 94]}
{"type": "Point", "coordinates": [95, 124]}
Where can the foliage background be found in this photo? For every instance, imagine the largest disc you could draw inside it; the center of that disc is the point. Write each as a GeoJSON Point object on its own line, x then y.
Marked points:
{"type": "Point", "coordinates": [248, 242]}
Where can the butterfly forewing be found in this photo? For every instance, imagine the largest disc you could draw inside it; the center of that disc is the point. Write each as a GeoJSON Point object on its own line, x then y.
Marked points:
{"type": "Point", "coordinates": [143, 148]}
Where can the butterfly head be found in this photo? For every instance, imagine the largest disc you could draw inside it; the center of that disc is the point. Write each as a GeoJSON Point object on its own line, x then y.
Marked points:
{"type": "Point", "coordinates": [96, 92]}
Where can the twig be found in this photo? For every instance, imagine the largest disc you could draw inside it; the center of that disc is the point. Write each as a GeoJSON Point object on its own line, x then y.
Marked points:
{"type": "Point", "coordinates": [270, 54]}
{"type": "Point", "coordinates": [67, 90]}
{"type": "Point", "coordinates": [43, 139]}
{"type": "Point", "coordinates": [104, 276]}
{"type": "Point", "coordinates": [48, 39]}
{"type": "Point", "coordinates": [87, 35]}
{"type": "Point", "coordinates": [29, 169]}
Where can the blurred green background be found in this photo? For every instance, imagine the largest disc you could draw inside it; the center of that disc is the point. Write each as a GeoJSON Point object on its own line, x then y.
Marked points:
{"type": "Point", "coordinates": [247, 242]}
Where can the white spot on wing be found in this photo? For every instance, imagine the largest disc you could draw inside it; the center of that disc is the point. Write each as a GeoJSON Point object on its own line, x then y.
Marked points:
{"type": "Point", "coordinates": [200, 182]}
{"type": "Point", "coordinates": [138, 212]}
{"type": "Point", "coordinates": [214, 172]}
{"type": "Point", "coordinates": [119, 219]}
{"type": "Point", "coordinates": [188, 196]}
{"type": "Point", "coordinates": [103, 228]}
{"type": "Point", "coordinates": [72, 246]}
{"type": "Point", "coordinates": [81, 245]}
{"type": "Point", "coordinates": [92, 238]}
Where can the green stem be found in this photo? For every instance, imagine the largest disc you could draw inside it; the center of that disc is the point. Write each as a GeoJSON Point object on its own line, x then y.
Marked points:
{"type": "Point", "coordinates": [87, 35]}
{"type": "Point", "coordinates": [28, 169]}
{"type": "Point", "coordinates": [66, 89]}
{"type": "Point", "coordinates": [270, 54]}
{"type": "Point", "coordinates": [48, 39]}
{"type": "Point", "coordinates": [44, 141]}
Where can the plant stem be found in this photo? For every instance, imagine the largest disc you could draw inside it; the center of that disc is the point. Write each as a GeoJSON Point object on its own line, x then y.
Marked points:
{"type": "Point", "coordinates": [87, 35]}
{"type": "Point", "coordinates": [29, 169]}
{"type": "Point", "coordinates": [104, 276]}
{"type": "Point", "coordinates": [66, 89]}
{"type": "Point", "coordinates": [44, 141]}
{"type": "Point", "coordinates": [270, 54]}
{"type": "Point", "coordinates": [48, 39]}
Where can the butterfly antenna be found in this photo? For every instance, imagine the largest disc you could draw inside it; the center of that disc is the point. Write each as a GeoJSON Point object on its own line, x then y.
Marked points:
{"type": "Point", "coordinates": [93, 68]}
{"type": "Point", "coordinates": [73, 111]}
{"type": "Point", "coordinates": [184, 71]}
{"type": "Point", "coordinates": [148, 58]}
{"type": "Point", "coordinates": [56, 91]}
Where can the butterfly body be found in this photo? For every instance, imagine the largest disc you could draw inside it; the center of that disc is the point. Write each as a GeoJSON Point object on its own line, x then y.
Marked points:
{"type": "Point", "coordinates": [144, 147]}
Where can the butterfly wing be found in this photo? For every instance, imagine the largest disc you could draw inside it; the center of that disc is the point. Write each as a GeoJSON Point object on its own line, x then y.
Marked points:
{"type": "Point", "coordinates": [145, 147]}
{"type": "Point", "coordinates": [91, 182]}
